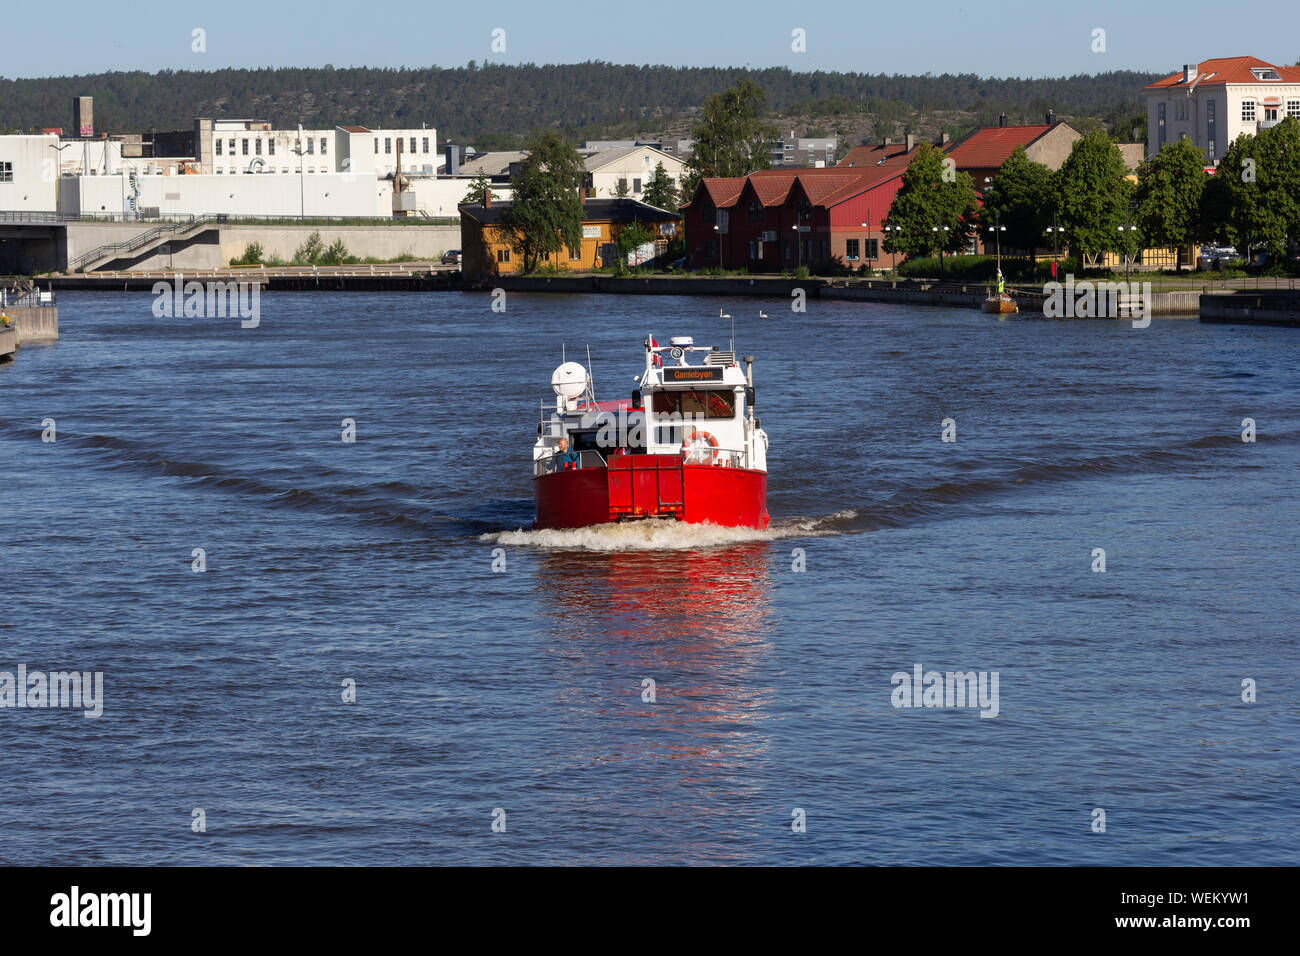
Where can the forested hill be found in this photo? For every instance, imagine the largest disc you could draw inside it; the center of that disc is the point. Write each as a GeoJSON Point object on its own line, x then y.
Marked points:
{"type": "Point", "coordinates": [481, 103]}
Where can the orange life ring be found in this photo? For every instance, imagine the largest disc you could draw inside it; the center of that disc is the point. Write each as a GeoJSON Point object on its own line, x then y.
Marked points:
{"type": "Point", "coordinates": [688, 441]}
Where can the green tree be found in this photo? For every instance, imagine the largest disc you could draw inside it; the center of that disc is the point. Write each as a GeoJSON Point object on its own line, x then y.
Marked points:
{"type": "Point", "coordinates": [1093, 195]}
{"type": "Point", "coordinates": [336, 254]}
{"type": "Point", "coordinates": [620, 188]}
{"type": "Point", "coordinates": [1253, 199]}
{"type": "Point", "coordinates": [311, 250]}
{"type": "Point", "coordinates": [731, 138]}
{"type": "Point", "coordinates": [1169, 195]}
{"type": "Point", "coordinates": [479, 191]}
{"type": "Point", "coordinates": [660, 190]}
{"type": "Point", "coordinates": [633, 237]}
{"type": "Point", "coordinates": [1020, 202]}
{"type": "Point", "coordinates": [934, 209]}
{"type": "Point", "coordinates": [545, 211]}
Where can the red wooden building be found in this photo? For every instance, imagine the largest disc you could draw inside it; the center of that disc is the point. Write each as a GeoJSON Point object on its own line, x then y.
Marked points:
{"type": "Point", "coordinates": [776, 220]}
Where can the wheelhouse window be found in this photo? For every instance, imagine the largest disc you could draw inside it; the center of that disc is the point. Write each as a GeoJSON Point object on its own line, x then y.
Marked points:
{"type": "Point", "coordinates": [697, 403]}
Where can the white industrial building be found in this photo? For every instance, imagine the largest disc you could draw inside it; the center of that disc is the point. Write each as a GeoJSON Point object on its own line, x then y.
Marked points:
{"type": "Point", "coordinates": [28, 173]}
{"type": "Point", "coordinates": [241, 168]}
{"type": "Point", "coordinates": [233, 147]}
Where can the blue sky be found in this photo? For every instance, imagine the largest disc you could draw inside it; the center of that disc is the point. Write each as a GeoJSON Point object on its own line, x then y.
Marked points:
{"type": "Point", "coordinates": [936, 36]}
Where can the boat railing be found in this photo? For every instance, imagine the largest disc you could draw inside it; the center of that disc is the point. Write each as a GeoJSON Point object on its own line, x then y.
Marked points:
{"type": "Point", "coordinates": [586, 459]}
{"type": "Point", "coordinates": [719, 457]}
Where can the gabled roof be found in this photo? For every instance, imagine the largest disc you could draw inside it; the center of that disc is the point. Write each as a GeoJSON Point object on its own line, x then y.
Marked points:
{"type": "Point", "coordinates": [593, 210]}
{"type": "Point", "coordinates": [991, 146]}
{"type": "Point", "coordinates": [492, 164]}
{"type": "Point", "coordinates": [1232, 69]}
{"type": "Point", "coordinates": [597, 159]}
{"type": "Point", "coordinates": [822, 186]}
{"type": "Point", "coordinates": [773, 185]}
{"type": "Point", "coordinates": [723, 191]}
{"type": "Point", "coordinates": [879, 154]}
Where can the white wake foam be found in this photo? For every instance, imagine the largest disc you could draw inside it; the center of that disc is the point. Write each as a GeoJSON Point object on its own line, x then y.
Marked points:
{"type": "Point", "coordinates": [660, 535]}
{"type": "Point", "coordinates": [655, 535]}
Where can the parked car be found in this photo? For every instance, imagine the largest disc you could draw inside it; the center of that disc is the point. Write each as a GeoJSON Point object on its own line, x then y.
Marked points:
{"type": "Point", "coordinates": [1219, 252]}
{"type": "Point", "coordinates": [451, 256]}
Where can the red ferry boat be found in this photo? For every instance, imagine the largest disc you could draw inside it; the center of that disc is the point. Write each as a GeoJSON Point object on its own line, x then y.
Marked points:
{"type": "Point", "coordinates": [685, 446]}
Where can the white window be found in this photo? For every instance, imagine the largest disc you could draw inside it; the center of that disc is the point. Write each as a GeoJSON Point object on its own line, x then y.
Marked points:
{"type": "Point", "coordinates": [1248, 111]}
{"type": "Point", "coordinates": [218, 144]}
{"type": "Point", "coordinates": [1180, 109]}
{"type": "Point", "coordinates": [412, 144]}
{"type": "Point", "coordinates": [1293, 108]}
{"type": "Point", "coordinates": [424, 143]}
{"type": "Point", "coordinates": [322, 145]}
{"type": "Point", "coordinates": [270, 147]}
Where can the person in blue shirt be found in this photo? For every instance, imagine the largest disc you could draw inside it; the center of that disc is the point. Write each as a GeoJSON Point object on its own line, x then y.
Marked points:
{"type": "Point", "coordinates": [564, 457]}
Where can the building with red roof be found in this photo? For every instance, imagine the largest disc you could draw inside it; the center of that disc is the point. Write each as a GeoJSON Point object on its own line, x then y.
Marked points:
{"type": "Point", "coordinates": [1214, 102]}
{"type": "Point", "coordinates": [778, 219]}
{"type": "Point", "coordinates": [984, 151]}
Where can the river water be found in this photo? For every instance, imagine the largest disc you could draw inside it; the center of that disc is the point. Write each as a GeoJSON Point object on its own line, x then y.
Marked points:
{"type": "Point", "coordinates": [370, 564]}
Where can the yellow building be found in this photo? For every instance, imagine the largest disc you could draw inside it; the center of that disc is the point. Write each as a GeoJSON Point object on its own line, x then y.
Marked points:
{"type": "Point", "coordinates": [486, 249]}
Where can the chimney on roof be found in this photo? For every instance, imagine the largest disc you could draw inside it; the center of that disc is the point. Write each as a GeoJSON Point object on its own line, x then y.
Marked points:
{"type": "Point", "coordinates": [886, 142]}
{"type": "Point", "coordinates": [1051, 117]}
{"type": "Point", "coordinates": [944, 139]}
{"type": "Point", "coordinates": [453, 161]}
{"type": "Point", "coordinates": [911, 142]}
{"type": "Point", "coordinates": [1002, 119]}
{"type": "Point", "coordinates": [1189, 72]}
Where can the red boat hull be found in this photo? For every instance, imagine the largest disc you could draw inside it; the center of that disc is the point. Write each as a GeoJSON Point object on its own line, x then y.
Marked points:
{"type": "Point", "coordinates": [651, 486]}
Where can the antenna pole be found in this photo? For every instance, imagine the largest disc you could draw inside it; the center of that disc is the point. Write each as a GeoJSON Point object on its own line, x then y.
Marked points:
{"type": "Point", "coordinates": [591, 385]}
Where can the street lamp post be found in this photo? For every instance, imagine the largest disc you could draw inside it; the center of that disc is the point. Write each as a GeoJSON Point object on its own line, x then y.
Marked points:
{"type": "Point", "coordinates": [719, 232]}
{"type": "Point", "coordinates": [943, 243]}
{"type": "Point", "coordinates": [1128, 247]}
{"type": "Point", "coordinates": [798, 249]}
{"type": "Point", "coordinates": [302, 182]}
{"type": "Point", "coordinates": [1056, 231]}
{"type": "Point", "coordinates": [893, 250]}
{"type": "Point", "coordinates": [58, 172]}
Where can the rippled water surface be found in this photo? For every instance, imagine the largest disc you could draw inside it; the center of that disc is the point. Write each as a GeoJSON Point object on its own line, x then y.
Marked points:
{"type": "Point", "coordinates": [522, 690]}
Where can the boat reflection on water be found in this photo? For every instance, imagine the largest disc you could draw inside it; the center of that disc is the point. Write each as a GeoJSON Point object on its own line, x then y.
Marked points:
{"type": "Point", "coordinates": [685, 602]}
{"type": "Point", "coordinates": [696, 622]}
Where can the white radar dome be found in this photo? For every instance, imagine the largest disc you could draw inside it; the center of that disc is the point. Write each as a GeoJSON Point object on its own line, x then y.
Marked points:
{"type": "Point", "coordinates": [569, 380]}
